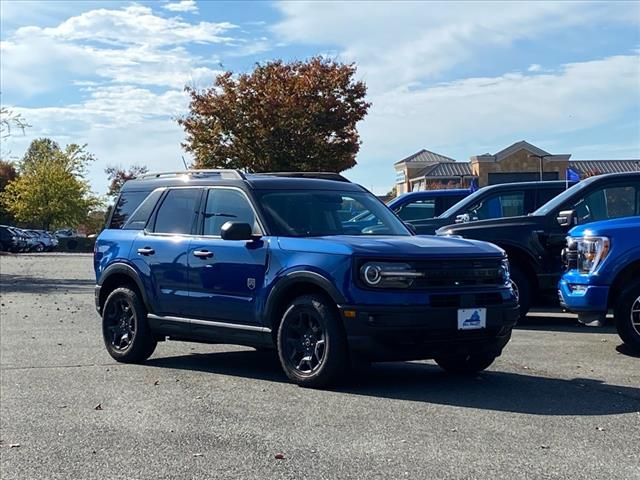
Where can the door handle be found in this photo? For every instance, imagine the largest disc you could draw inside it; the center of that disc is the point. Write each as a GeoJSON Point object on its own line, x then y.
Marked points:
{"type": "Point", "coordinates": [146, 251]}
{"type": "Point", "coordinates": [202, 253]}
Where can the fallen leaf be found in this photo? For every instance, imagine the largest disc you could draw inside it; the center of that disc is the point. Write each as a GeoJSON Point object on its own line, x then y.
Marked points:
{"type": "Point", "coordinates": [279, 456]}
{"type": "Point", "coordinates": [98, 407]}
{"type": "Point", "coordinates": [14, 445]}
{"type": "Point", "coordinates": [156, 383]}
{"type": "Point", "coordinates": [600, 429]}
{"type": "Point", "coordinates": [545, 447]}
{"type": "Point", "coordinates": [197, 454]}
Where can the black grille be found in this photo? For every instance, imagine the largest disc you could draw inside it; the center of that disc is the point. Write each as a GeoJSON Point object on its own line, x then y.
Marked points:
{"type": "Point", "coordinates": [458, 273]}
{"type": "Point", "coordinates": [466, 301]}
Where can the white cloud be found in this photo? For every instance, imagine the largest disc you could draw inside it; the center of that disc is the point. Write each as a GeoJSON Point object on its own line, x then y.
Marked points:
{"type": "Point", "coordinates": [182, 6]}
{"type": "Point", "coordinates": [534, 67]}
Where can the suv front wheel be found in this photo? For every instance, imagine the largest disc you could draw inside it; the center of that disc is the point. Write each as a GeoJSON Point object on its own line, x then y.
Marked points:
{"type": "Point", "coordinates": [311, 342]}
{"type": "Point", "coordinates": [627, 316]}
{"type": "Point", "coordinates": [125, 329]}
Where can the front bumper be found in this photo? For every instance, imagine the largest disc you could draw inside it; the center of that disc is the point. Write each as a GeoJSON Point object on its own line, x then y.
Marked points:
{"type": "Point", "coordinates": [411, 333]}
{"type": "Point", "coordinates": [582, 297]}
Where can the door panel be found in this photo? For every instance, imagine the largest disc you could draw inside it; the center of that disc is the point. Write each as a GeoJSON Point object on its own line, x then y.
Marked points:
{"type": "Point", "coordinates": [226, 276]}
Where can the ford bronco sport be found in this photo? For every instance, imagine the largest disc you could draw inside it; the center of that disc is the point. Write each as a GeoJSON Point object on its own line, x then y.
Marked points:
{"type": "Point", "coordinates": [264, 260]}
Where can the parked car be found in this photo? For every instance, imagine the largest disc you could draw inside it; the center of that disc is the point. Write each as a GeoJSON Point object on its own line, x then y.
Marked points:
{"type": "Point", "coordinates": [602, 262]}
{"type": "Point", "coordinates": [264, 260]}
{"type": "Point", "coordinates": [66, 233]}
{"type": "Point", "coordinates": [22, 241]}
{"type": "Point", "coordinates": [9, 239]}
{"type": "Point", "coordinates": [417, 207]}
{"type": "Point", "coordinates": [534, 243]}
{"type": "Point", "coordinates": [494, 201]}
{"type": "Point", "coordinates": [46, 241]}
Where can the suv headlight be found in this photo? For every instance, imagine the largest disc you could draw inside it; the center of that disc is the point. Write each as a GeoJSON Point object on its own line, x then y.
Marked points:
{"type": "Point", "coordinates": [504, 271]}
{"type": "Point", "coordinates": [388, 275]}
{"type": "Point", "coordinates": [591, 252]}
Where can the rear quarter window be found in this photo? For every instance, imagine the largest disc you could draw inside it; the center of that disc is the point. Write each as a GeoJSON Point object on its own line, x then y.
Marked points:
{"type": "Point", "coordinates": [127, 203]}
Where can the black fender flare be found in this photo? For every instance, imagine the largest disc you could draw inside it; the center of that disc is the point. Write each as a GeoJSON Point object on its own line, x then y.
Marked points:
{"type": "Point", "coordinates": [291, 279]}
{"type": "Point", "coordinates": [127, 270]}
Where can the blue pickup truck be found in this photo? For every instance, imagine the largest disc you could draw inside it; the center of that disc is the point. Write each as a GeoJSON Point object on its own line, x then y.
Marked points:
{"type": "Point", "coordinates": [603, 272]}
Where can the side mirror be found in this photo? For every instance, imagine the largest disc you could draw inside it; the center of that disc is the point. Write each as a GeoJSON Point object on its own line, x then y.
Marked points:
{"type": "Point", "coordinates": [567, 218]}
{"type": "Point", "coordinates": [464, 218]}
{"type": "Point", "coordinates": [236, 231]}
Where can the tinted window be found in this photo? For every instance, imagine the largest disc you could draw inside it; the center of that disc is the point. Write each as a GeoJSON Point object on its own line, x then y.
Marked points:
{"type": "Point", "coordinates": [225, 205]}
{"type": "Point", "coordinates": [178, 211]}
{"type": "Point", "coordinates": [612, 202]}
{"type": "Point", "coordinates": [127, 203]}
{"type": "Point", "coordinates": [317, 213]}
{"type": "Point", "coordinates": [505, 205]}
{"type": "Point", "coordinates": [418, 210]}
{"type": "Point", "coordinates": [546, 194]}
{"type": "Point", "coordinates": [139, 218]}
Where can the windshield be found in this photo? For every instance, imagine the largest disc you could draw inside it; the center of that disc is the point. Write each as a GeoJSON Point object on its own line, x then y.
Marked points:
{"type": "Point", "coordinates": [315, 213]}
{"type": "Point", "coordinates": [558, 201]}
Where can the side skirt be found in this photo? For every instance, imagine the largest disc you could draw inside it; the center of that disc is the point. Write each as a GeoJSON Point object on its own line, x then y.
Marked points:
{"type": "Point", "coordinates": [209, 331]}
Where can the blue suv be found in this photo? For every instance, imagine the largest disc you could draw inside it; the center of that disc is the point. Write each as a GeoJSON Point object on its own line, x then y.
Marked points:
{"type": "Point", "coordinates": [266, 260]}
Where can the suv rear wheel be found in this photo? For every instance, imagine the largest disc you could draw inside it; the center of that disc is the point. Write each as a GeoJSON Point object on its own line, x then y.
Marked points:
{"type": "Point", "coordinates": [627, 316]}
{"type": "Point", "coordinates": [125, 329]}
{"type": "Point", "coordinates": [311, 342]}
{"type": "Point", "coordinates": [465, 364]}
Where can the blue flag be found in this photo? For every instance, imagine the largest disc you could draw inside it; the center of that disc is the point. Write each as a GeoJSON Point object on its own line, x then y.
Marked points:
{"type": "Point", "coordinates": [474, 185]}
{"type": "Point", "coordinates": [572, 175]}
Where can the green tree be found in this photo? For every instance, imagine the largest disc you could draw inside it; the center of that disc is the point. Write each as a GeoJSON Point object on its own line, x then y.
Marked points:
{"type": "Point", "coordinates": [298, 116]}
{"type": "Point", "coordinates": [51, 190]}
{"type": "Point", "coordinates": [118, 175]}
{"type": "Point", "coordinates": [8, 174]}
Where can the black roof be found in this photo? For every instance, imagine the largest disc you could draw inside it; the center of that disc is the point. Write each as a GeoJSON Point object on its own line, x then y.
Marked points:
{"type": "Point", "coordinates": [256, 181]}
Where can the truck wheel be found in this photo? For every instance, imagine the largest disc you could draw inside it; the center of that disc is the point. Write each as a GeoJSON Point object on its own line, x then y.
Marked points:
{"type": "Point", "coordinates": [627, 316]}
{"type": "Point", "coordinates": [125, 330]}
{"type": "Point", "coordinates": [465, 364]}
{"type": "Point", "coordinates": [312, 346]}
{"type": "Point", "coordinates": [523, 286]}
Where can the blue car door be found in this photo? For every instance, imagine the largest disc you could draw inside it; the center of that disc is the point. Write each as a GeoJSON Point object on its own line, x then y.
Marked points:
{"type": "Point", "coordinates": [226, 276]}
{"type": "Point", "coordinates": [160, 251]}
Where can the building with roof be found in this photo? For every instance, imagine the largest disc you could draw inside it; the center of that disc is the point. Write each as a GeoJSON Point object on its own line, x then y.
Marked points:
{"type": "Point", "coordinates": [519, 162]}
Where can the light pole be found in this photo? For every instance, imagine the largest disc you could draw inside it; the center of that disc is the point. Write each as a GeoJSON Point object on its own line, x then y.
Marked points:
{"type": "Point", "coordinates": [541, 158]}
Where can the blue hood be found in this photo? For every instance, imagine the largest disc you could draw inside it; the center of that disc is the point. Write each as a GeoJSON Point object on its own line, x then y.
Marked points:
{"type": "Point", "coordinates": [392, 246]}
{"type": "Point", "coordinates": [607, 227]}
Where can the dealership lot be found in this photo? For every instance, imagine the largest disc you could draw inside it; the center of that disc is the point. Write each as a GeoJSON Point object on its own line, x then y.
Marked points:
{"type": "Point", "coordinates": [562, 402]}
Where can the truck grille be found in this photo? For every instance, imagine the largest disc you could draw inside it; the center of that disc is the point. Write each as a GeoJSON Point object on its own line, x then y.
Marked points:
{"type": "Point", "coordinates": [458, 273]}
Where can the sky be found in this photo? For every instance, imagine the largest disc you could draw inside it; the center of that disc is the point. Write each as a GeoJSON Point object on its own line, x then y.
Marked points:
{"type": "Point", "coordinates": [457, 78]}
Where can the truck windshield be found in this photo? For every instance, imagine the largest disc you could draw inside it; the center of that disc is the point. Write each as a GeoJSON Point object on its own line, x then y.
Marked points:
{"type": "Point", "coordinates": [315, 213]}
{"type": "Point", "coordinates": [462, 204]}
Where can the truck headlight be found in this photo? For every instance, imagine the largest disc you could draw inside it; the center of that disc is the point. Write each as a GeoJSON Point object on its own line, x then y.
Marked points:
{"type": "Point", "coordinates": [591, 253]}
{"type": "Point", "coordinates": [504, 271]}
{"type": "Point", "coordinates": [388, 275]}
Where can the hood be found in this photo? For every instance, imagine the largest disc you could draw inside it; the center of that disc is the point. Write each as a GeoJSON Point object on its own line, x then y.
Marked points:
{"type": "Point", "coordinates": [508, 222]}
{"type": "Point", "coordinates": [625, 225]}
{"type": "Point", "coordinates": [392, 246]}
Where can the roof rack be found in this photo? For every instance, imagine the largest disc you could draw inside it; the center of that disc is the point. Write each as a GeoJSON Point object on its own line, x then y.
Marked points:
{"type": "Point", "coordinates": [319, 175]}
{"type": "Point", "coordinates": [227, 174]}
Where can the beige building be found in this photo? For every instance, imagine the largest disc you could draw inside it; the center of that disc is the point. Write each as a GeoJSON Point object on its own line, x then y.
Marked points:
{"type": "Point", "coordinates": [519, 162]}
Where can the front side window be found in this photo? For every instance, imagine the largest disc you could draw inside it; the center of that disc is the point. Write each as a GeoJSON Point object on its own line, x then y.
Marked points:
{"type": "Point", "coordinates": [178, 211]}
{"type": "Point", "coordinates": [227, 205]}
{"type": "Point", "coordinates": [418, 210]}
{"type": "Point", "coordinates": [313, 213]}
{"type": "Point", "coordinates": [612, 202]}
{"type": "Point", "coordinates": [504, 205]}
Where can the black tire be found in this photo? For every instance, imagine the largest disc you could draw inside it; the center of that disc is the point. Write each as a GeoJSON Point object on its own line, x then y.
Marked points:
{"type": "Point", "coordinates": [465, 364]}
{"type": "Point", "coordinates": [312, 345]}
{"type": "Point", "coordinates": [627, 316]}
{"type": "Point", "coordinates": [125, 330]}
{"type": "Point", "coordinates": [524, 288]}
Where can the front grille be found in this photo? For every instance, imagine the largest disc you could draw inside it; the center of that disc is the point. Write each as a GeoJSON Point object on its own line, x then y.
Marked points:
{"type": "Point", "coordinates": [458, 273]}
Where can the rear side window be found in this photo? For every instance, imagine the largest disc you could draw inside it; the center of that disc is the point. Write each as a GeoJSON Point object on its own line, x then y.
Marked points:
{"type": "Point", "coordinates": [178, 211]}
{"type": "Point", "coordinates": [139, 218]}
{"type": "Point", "coordinates": [127, 204]}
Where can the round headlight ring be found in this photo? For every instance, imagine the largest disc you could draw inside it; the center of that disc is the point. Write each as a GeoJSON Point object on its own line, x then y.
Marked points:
{"type": "Point", "coordinates": [372, 274]}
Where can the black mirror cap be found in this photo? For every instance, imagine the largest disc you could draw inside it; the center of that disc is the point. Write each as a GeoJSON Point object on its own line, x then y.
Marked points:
{"type": "Point", "coordinates": [236, 231]}
{"type": "Point", "coordinates": [567, 218]}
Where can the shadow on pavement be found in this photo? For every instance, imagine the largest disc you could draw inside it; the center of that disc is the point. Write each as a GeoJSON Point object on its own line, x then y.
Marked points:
{"type": "Point", "coordinates": [29, 284]}
{"type": "Point", "coordinates": [560, 324]}
{"type": "Point", "coordinates": [491, 390]}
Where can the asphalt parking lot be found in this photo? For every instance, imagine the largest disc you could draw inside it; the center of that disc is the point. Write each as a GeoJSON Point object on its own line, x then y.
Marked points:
{"type": "Point", "coordinates": [562, 402]}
